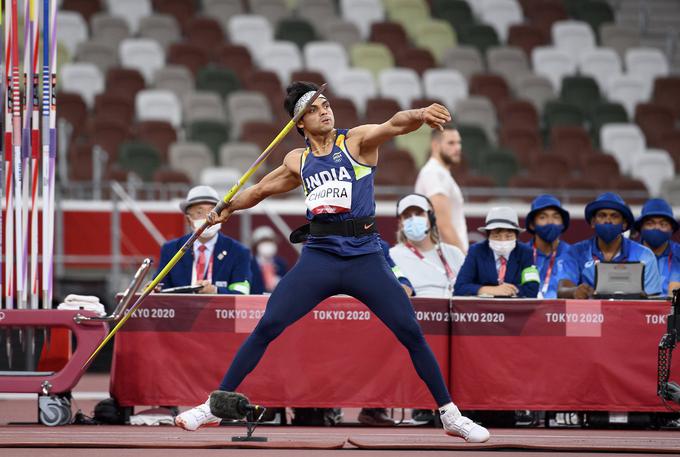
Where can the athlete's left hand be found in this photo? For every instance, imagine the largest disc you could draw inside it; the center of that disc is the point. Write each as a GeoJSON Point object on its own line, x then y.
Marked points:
{"type": "Point", "coordinates": [436, 116]}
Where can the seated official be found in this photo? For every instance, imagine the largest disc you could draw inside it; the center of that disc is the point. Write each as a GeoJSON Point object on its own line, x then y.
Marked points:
{"type": "Point", "coordinates": [609, 216]}
{"type": "Point", "coordinates": [267, 266]}
{"type": "Point", "coordinates": [219, 263]}
{"type": "Point", "coordinates": [499, 266]}
{"type": "Point", "coordinates": [430, 265]}
{"type": "Point", "coordinates": [547, 220]}
{"type": "Point", "coordinates": [656, 225]}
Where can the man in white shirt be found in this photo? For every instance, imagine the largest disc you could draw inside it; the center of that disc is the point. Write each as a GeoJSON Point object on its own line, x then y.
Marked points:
{"type": "Point", "coordinates": [436, 183]}
{"type": "Point", "coordinates": [430, 265]}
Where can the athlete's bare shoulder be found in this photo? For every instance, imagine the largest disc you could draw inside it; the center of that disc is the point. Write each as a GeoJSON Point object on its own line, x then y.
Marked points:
{"type": "Point", "coordinates": [292, 160]}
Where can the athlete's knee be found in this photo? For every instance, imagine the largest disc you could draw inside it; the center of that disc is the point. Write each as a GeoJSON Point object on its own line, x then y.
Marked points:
{"type": "Point", "coordinates": [268, 329]}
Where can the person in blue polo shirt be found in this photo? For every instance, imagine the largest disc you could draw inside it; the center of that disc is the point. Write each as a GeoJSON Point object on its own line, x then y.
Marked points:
{"type": "Point", "coordinates": [609, 215]}
{"type": "Point", "coordinates": [547, 220]}
{"type": "Point", "coordinates": [656, 226]}
{"type": "Point", "coordinates": [499, 266]}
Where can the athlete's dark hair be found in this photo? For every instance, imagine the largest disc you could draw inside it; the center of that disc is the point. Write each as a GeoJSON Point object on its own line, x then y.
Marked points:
{"type": "Point", "coordinates": [294, 91]}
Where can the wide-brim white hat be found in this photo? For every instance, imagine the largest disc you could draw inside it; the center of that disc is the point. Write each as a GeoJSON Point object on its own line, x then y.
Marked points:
{"type": "Point", "coordinates": [501, 217]}
{"type": "Point", "coordinates": [199, 194]}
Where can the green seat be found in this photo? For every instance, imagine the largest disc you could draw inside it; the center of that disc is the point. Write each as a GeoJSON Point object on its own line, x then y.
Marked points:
{"type": "Point", "coordinates": [296, 30]}
{"type": "Point", "coordinates": [500, 165]}
{"type": "Point", "coordinates": [417, 143]}
{"type": "Point", "coordinates": [581, 91]}
{"type": "Point", "coordinates": [557, 112]}
{"type": "Point", "coordinates": [371, 56]}
{"type": "Point", "coordinates": [212, 133]}
{"type": "Point", "coordinates": [573, 6]}
{"type": "Point", "coordinates": [221, 80]}
{"type": "Point", "coordinates": [605, 113]}
{"type": "Point", "coordinates": [437, 36]}
{"type": "Point", "coordinates": [481, 36]}
{"type": "Point", "coordinates": [408, 13]}
{"type": "Point", "coordinates": [595, 13]}
{"type": "Point", "coordinates": [456, 12]}
{"type": "Point", "coordinates": [475, 145]}
{"type": "Point", "coordinates": [139, 157]}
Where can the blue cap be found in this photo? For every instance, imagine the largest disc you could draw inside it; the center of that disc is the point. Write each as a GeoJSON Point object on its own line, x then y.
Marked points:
{"type": "Point", "coordinates": [542, 202]}
{"type": "Point", "coordinates": [609, 200]}
{"type": "Point", "coordinates": [656, 207]}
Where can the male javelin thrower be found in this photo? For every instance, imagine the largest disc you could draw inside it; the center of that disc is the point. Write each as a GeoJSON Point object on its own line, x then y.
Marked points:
{"type": "Point", "coordinates": [342, 254]}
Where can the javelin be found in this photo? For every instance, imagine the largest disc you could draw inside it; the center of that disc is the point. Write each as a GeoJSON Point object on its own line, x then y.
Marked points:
{"type": "Point", "coordinates": [218, 209]}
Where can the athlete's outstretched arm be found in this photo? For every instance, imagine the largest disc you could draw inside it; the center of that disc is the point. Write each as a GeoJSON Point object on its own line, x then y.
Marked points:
{"type": "Point", "coordinates": [283, 179]}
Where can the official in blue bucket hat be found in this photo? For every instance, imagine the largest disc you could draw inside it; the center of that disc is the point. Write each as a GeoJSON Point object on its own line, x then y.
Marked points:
{"type": "Point", "coordinates": [610, 217]}
{"type": "Point", "coordinates": [656, 226]}
{"type": "Point", "coordinates": [547, 220]}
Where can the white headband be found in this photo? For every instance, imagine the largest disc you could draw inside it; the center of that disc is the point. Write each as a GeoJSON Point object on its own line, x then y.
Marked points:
{"type": "Point", "coordinates": [302, 101]}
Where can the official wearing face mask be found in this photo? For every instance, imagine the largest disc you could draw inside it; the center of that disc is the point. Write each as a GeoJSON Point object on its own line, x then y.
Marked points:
{"type": "Point", "coordinates": [430, 265]}
{"type": "Point", "coordinates": [268, 267]}
{"type": "Point", "coordinates": [610, 217]}
{"type": "Point", "coordinates": [499, 266]}
{"type": "Point", "coordinates": [219, 263]}
{"type": "Point", "coordinates": [656, 226]}
{"type": "Point", "coordinates": [547, 220]}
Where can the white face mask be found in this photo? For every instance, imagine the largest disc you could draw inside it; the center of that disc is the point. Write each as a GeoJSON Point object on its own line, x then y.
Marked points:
{"type": "Point", "coordinates": [502, 248]}
{"type": "Point", "coordinates": [267, 249]}
{"type": "Point", "coordinates": [209, 232]}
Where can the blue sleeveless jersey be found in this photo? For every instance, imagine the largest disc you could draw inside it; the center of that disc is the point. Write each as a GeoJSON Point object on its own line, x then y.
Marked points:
{"type": "Point", "coordinates": [337, 188]}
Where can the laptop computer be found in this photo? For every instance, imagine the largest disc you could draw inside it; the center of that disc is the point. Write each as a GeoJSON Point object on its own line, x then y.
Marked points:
{"type": "Point", "coordinates": [619, 280]}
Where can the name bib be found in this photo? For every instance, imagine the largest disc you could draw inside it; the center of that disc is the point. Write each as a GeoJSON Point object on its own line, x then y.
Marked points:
{"type": "Point", "coordinates": [332, 197]}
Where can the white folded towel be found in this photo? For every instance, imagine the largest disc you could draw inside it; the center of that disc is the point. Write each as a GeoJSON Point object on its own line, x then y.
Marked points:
{"type": "Point", "coordinates": [73, 298]}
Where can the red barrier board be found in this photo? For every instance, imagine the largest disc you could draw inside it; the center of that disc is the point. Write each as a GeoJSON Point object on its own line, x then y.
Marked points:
{"type": "Point", "coordinates": [495, 354]}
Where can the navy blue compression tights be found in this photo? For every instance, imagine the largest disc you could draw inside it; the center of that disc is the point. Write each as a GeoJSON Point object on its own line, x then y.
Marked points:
{"type": "Point", "coordinates": [319, 275]}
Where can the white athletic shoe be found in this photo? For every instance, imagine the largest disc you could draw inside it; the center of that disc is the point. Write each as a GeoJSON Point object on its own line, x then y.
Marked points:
{"type": "Point", "coordinates": [455, 424]}
{"type": "Point", "coordinates": [197, 417]}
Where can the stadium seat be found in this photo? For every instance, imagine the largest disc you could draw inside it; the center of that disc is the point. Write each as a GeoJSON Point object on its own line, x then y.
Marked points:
{"type": "Point", "coordinates": [237, 58]}
{"type": "Point", "coordinates": [356, 84]}
{"type": "Point", "coordinates": [581, 91]}
{"type": "Point", "coordinates": [158, 134]}
{"type": "Point", "coordinates": [162, 28]}
{"type": "Point", "coordinates": [124, 82]}
{"type": "Point", "coordinates": [619, 38]}
{"type": "Point", "coordinates": [599, 165]}
{"type": "Point", "coordinates": [219, 178]}
{"type": "Point", "coordinates": [524, 141]}
{"type": "Point", "coordinates": [526, 37]}
{"type": "Point", "coordinates": [601, 64]}
{"type": "Point", "coordinates": [670, 142]}
{"type": "Point", "coordinates": [518, 113]}
{"type": "Point", "coordinates": [245, 106]}
{"type": "Point", "coordinates": [101, 54]}
{"type": "Point", "coordinates": [417, 143]}
{"type": "Point", "coordinates": [316, 11]}
{"type": "Point", "coordinates": [539, 183]}
{"type": "Point", "coordinates": [86, 8]}
{"type": "Point", "coordinates": [478, 111]}
{"type": "Point", "coordinates": [490, 86]}
{"type": "Point", "coordinates": [109, 106]}
{"type": "Point", "coordinates": [456, 12]}
{"type": "Point", "coordinates": [550, 166]}
{"type": "Point", "coordinates": [652, 167]}
{"type": "Point", "coordinates": [215, 79]}
{"type": "Point", "coordinates": [573, 37]}
{"type": "Point", "coordinates": [84, 79]}
{"type": "Point", "coordinates": [109, 29]}
{"type": "Point", "coordinates": [647, 64]}
{"type": "Point", "coordinates": [401, 84]}
{"type": "Point", "coordinates": [636, 190]}
{"type": "Point", "coordinates": [308, 75]}
{"type": "Point", "coordinates": [142, 54]}
{"type": "Point", "coordinates": [558, 113]}
{"type": "Point", "coordinates": [166, 175]}
{"type": "Point", "coordinates": [362, 13]}
{"type": "Point", "coordinates": [553, 63]}
{"type": "Point", "coordinates": [595, 13]}
{"type": "Point", "coordinates": [109, 135]}
{"type": "Point", "coordinates": [80, 158]}
{"type": "Point", "coordinates": [203, 106]}
{"type": "Point", "coordinates": [379, 110]}
{"type": "Point", "coordinates": [475, 144]}
{"type": "Point", "coordinates": [212, 133]}
{"type": "Point", "coordinates": [397, 169]}
{"type": "Point", "coordinates": [130, 10]}
{"type": "Point", "coordinates": [72, 108]}
{"type": "Point", "coordinates": [281, 57]}
{"type": "Point", "coordinates": [345, 112]}
{"type": "Point", "coordinates": [666, 92]}
{"type": "Point", "coordinates": [623, 141]}
{"type": "Point", "coordinates": [570, 141]}
{"type": "Point", "coordinates": [297, 30]}
{"type": "Point", "coordinates": [343, 32]}
{"type": "Point", "coordinates": [71, 30]}
{"type": "Point", "coordinates": [251, 31]}
{"type": "Point", "coordinates": [445, 84]}
{"type": "Point", "coordinates": [416, 59]}
{"type": "Point", "coordinates": [408, 13]}
{"type": "Point", "coordinates": [181, 10]}
{"type": "Point", "coordinates": [670, 191]}
{"type": "Point", "coordinates": [436, 36]}
{"type": "Point", "coordinates": [326, 57]}
{"type": "Point", "coordinates": [158, 105]}
{"type": "Point", "coordinates": [191, 158]}
{"type": "Point", "coordinates": [390, 34]}
{"type": "Point", "coordinates": [223, 10]}
{"type": "Point", "coordinates": [239, 155]}
{"type": "Point", "coordinates": [627, 90]}
{"type": "Point", "coordinates": [273, 10]}
{"type": "Point", "coordinates": [537, 89]}
{"type": "Point", "coordinates": [140, 158]}
{"type": "Point", "coordinates": [543, 14]}
{"type": "Point", "coordinates": [188, 55]}
{"type": "Point", "coordinates": [204, 32]}
{"type": "Point", "coordinates": [375, 57]}
{"type": "Point", "coordinates": [654, 120]}
{"type": "Point", "coordinates": [509, 62]}
{"type": "Point", "coordinates": [500, 165]}
{"type": "Point", "coordinates": [481, 36]}
{"type": "Point", "coordinates": [259, 133]}
{"type": "Point", "coordinates": [605, 113]}
{"type": "Point", "coordinates": [465, 59]}
{"type": "Point", "coordinates": [175, 78]}
{"type": "Point", "coordinates": [501, 14]}
{"type": "Point", "coordinates": [268, 83]}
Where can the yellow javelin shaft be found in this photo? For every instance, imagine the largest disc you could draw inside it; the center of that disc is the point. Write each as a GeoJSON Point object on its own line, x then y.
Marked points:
{"type": "Point", "coordinates": [218, 209]}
